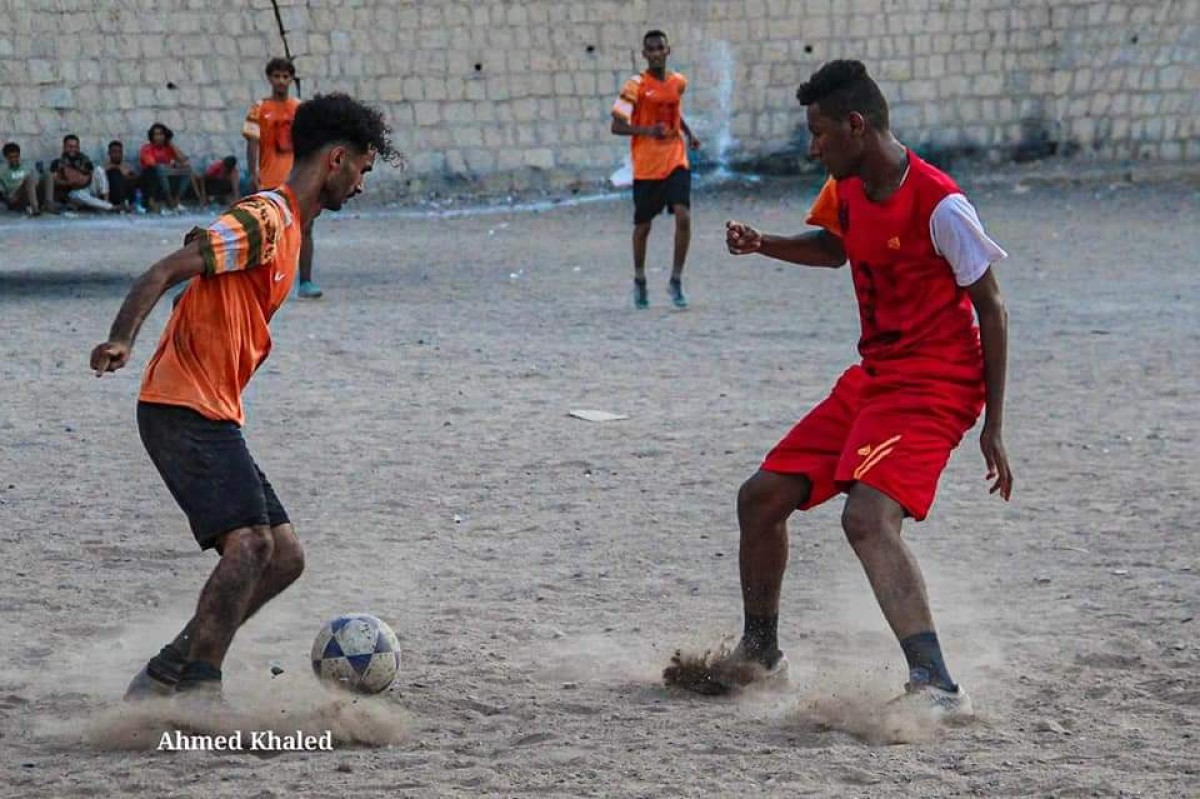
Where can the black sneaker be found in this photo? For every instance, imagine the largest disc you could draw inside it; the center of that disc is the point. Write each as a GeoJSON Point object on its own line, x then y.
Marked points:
{"type": "Point", "coordinates": [641, 296]}
{"type": "Point", "coordinates": [675, 289]}
{"type": "Point", "coordinates": [159, 677]}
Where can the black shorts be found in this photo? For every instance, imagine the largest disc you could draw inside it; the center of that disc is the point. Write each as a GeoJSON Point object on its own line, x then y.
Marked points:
{"type": "Point", "coordinates": [209, 471]}
{"type": "Point", "coordinates": [218, 187]}
{"type": "Point", "coordinates": [650, 197]}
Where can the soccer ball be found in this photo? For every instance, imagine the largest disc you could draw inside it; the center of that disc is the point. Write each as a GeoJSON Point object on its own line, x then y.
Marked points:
{"type": "Point", "coordinates": [356, 652]}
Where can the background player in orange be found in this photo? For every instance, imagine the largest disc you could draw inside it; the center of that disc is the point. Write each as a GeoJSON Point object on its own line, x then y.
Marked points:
{"type": "Point", "coordinates": [921, 266]}
{"type": "Point", "coordinates": [190, 414]}
{"type": "Point", "coordinates": [268, 134]}
{"type": "Point", "coordinates": [650, 110]}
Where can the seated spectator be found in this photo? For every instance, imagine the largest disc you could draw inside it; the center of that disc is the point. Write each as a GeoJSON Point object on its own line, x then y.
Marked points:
{"type": "Point", "coordinates": [221, 181]}
{"type": "Point", "coordinates": [75, 180]}
{"type": "Point", "coordinates": [165, 171]}
{"type": "Point", "coordinates": [122, 177]}
{"type": "Point", "coordinates": [18, 185]}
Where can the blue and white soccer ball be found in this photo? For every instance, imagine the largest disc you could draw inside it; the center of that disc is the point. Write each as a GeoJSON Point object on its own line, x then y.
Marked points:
{"type": "Point", "coordinates": [357, 652]}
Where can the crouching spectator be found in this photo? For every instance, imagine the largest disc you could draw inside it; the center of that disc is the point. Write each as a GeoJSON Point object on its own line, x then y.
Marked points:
{"type": "Point", "coordinates": [165, 171]}
{"type": "Point", "coordinates": [122, 177]}
{"type": "Point", "coordinates": [75, 180]}
{"type": "Point", "coordinates": [222, 181]}
{"type": "Point", "coordinates": [18, 185]}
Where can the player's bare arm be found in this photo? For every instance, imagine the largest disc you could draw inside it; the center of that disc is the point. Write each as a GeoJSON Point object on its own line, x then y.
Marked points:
{"type": "Point", "coordinates": [622, 128]}
{"type": "Point", "coordinates": [814, 248]}
{"type": "Point", "coordinates": [183, 264]}
{"type": "Point", "coordinates": [993, 335]}
{"type": "Point", "coordinates": [693, 140]}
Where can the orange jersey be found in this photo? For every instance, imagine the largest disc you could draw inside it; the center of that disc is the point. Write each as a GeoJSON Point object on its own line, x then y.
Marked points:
{"type": "Point", "coordinates": [646, 101]}
{"type": "Point", "coordinates": [217, 335]}
{"type": "Point", "coordinates": [269, 122]}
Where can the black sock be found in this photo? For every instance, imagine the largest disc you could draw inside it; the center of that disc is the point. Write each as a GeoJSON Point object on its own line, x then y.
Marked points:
{"type": "Point", "coordinates": [167, 666]}
{"type": "Point", "coordinates": [925, 663]}
{"type": "Point", "coordinates": [641, 281]}
{"type": "Point", "coordinates": [198, 672]}
{"type": "Point", "coordinates": [677, 280]}
{"type": "Point", "coordinates": [761, 634]}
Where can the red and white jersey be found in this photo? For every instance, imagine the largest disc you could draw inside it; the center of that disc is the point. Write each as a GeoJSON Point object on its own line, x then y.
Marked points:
{"type": "Point", "coordinates": [911, 257]}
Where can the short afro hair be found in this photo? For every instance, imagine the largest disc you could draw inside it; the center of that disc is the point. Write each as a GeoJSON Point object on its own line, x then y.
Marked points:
{"type": "Point", "coordinates": [281, 65]}
{"type": "Point", "coordinates": [338, 118]}
{"type": "Point", "coordinates": [655, 34]}
{"type": "Point", "coordinates": [842, 87]}
{"type": "Point", "coordinates": [12, 147]}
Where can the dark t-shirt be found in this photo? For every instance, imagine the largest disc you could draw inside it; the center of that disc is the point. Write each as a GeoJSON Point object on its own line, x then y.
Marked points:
{"type": "Point", "coordinates": [78, 161]}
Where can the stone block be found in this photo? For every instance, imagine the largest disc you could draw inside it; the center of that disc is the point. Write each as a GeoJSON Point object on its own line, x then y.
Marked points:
{"type": "Point", "coordinates": [540, 158]}
{"type": "Point", "coordinates": [427, 113]}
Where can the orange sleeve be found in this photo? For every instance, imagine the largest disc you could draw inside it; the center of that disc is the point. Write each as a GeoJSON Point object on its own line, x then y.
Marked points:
{"type": "Point", "coordinates": [250, 128]}
{"type": "Point", "coordinates": [824, 211]}
{"type": "Point", "coordinates": [243, 237]}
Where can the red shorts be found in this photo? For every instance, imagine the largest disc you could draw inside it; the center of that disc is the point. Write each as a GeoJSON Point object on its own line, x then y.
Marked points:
{"type": "Point", "coordinates": [889, 429]}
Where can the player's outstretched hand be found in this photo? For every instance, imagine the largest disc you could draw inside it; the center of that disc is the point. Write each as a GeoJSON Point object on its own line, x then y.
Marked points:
{"type": "Point", "coordinates": [997, 462]}
{"type": "Point", "coordinates": [741, 239]}
{"type": "Point", "coordinates": [109, 357]}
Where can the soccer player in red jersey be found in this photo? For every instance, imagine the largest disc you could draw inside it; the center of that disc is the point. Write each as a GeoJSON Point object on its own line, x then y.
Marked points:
{"type": "Point", "coordinates": [921, 265]}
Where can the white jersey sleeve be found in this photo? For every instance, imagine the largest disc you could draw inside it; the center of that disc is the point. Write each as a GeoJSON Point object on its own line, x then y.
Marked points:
{"type": "Point", "coordinates": [959, 237]}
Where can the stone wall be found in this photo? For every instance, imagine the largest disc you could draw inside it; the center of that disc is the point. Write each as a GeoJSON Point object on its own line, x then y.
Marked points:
{"type": "Point", "coordinates": [492, 94]}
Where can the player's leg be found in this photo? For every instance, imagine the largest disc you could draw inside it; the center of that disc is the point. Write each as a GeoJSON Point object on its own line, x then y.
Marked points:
{"type": "Point", "coordinates": [225, 600]}
{"type": "Point", "coordinates": [764, 503]}
{"type": "Point", "coordinates": [285, 567]}
{"type": "Point", "coordinates": [287, 555]}
{"type": "Point", "coordinates": [209, 471]}
{"type": "Point", "coordinates": [308, 290]}
{"type": "Point", "coordinates": [872, 522]}
{"type": "Point", "coordinates": [797, 474]}
{"type": "Point", "coordinates": [641, 236]}
{"type": "Point", "coordinates": [894, 457]}
{"type": "Point", "coordinates": [679, 198]}
{"type": "Point", "coordinates": [649, 200]}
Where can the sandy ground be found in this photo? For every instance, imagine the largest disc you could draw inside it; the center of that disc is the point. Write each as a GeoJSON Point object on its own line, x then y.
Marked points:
{"type": "Point", "coordinates": [540, 570]}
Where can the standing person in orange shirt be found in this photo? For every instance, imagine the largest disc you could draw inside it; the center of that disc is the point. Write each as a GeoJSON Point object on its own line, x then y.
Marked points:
{"type": "Point", "coordinates": [650, 110]}
{"type": "Point", "coordinates": [240, 270]}
{"type": "Point", "coordinates": [268, 134]}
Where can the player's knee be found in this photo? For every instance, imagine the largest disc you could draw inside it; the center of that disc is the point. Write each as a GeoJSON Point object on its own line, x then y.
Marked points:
{"type": "Point", "coordinates": [758, 504]}
{"type": "Point", "coordinates": [288, 559]}
{"type": "Point", "coordinates": [861, 523]}
{"type": "Point", "coordinates": [251, 544]}
{"type": "Point", "coordinates": [642, 229]}
{"type": "Point", "coordinates": [683, 217]}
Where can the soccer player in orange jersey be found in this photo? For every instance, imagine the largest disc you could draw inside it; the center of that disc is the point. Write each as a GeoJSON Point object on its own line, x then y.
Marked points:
{"type": "Point", "coordinates": [268, 134]}
{"type": "Point", "coordinates": [650, 111]}
{"type": "Point", "coordinates": [240, 270]}
{"type": "Point", "coordinates": [921, 265]}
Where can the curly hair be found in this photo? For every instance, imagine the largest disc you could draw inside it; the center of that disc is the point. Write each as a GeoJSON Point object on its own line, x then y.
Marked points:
{"type": "Point", "coordinates": [281, 65]}
{"type": "Point", "coordinates": [338, 118]}
{"type": "Point", "coordinates": [843, 86]}
{"type": "Point", "coordinates": [168, 134]}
